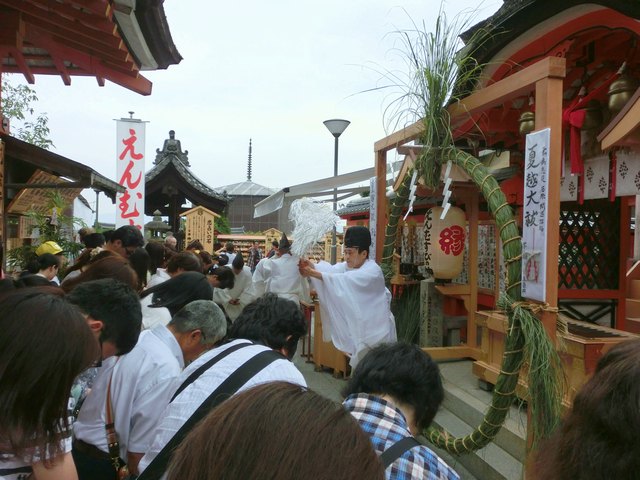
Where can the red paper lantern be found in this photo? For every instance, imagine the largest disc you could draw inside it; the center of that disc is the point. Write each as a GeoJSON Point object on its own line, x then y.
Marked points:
{"type": "Point", "coordinates": [444, 242]}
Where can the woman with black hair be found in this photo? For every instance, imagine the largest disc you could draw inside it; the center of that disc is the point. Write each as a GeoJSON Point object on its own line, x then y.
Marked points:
{"type": "Point", "coordinates": [161, 302]}
{"type": "Point", "coordinates": [159, 255]}
{"type": "Point", "coordinates": [139, 261]}
{"type": "Point", "coordinates": [48, 265]}
{"type": "Point", "coordinates": [45, 343]}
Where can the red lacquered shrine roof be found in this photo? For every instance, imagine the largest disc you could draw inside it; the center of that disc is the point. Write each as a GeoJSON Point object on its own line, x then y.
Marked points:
{"type": "Point", "coordinates": [105, 39]}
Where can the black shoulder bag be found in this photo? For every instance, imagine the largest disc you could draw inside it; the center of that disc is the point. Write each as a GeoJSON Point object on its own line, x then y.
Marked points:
{"type": "Point", "coordinates": [226, 389]}
{"type": "Point", "coordinates": [396, 450]}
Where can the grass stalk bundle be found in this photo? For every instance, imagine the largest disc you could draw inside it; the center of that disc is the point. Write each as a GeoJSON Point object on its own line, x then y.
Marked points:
{"type": "Point", "coordinates": [395, 210]}
{"type": "Point", "coordinates": [439, 68]}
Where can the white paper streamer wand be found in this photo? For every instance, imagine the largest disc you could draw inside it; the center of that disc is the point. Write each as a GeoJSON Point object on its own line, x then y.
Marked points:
{"type": "Point", "coordinates": [312, 221]}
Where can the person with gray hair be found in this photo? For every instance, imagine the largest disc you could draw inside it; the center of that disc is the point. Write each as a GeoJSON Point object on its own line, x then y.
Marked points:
{"type": "Point", "coordinates": [197, 327]}
{"type": "Point", "coordinates": [140, 385]}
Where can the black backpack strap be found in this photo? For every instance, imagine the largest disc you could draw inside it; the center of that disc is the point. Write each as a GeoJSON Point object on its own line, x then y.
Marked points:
{"type": "Point", "coordinates": [227, 388]}
{"type": "Point", "coordinates": [205, 366]}
{"type": "Point", "coordinates": [396, 450]}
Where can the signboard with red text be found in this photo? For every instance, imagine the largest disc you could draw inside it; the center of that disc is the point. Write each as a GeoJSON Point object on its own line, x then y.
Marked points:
{"type": "Point", "coordinates": [130, 154]}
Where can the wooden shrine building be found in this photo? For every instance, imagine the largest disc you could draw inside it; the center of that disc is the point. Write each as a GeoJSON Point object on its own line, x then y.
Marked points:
{"type": "Point", "coordinates": [572, 67]}
{"type": "Point", "coordinates": [170, 183]}
{"type": "Point", "coordinates": [106, 39]}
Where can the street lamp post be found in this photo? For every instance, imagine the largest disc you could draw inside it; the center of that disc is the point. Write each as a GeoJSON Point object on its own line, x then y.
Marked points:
{"type": "Point", "coordinates": [336, 127]}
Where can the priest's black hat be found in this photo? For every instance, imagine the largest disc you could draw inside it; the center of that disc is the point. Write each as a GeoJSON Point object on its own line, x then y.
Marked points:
{"type": "Point", "coordinates": [284, 244]}
{"type": "Point", "coordinates": [238, 261]}
{"type": "Point", "coordinates": [357, 237]}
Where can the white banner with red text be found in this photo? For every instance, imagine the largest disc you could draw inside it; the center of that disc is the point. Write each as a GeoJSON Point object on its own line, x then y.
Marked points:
{"type": "Point", "coordinates": [130, 156]}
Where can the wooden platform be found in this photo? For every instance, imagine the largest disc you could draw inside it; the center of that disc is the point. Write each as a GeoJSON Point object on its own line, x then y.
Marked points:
{"type": "Point", "coordinates": [325, 355]}
{"type": "Point", "coordinates": [580, 349]}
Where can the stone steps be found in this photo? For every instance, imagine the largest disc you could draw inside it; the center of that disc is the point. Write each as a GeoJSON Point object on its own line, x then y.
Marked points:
{"type": "Point", "coordinates": [463, 410]}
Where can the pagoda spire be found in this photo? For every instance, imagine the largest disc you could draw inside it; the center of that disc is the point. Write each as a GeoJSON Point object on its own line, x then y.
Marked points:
{"type": "Point", "coordinates": [249, 163]}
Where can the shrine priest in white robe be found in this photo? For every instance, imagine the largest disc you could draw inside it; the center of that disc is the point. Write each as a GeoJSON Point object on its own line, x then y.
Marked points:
{"type": "Point", "coordinates": [280, 275]}
{"type": "Point", "coordinates": [354, 301]}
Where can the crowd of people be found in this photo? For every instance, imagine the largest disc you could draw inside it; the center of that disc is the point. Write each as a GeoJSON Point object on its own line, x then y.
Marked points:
{"type": "Point", "coordinates": [147, 362]}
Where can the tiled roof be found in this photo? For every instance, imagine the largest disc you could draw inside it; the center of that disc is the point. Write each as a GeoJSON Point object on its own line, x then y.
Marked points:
{"type": "Point", "coordinates": [186, 174]}
{"type": "Point", "coordinates": [515, 17]}
{"type": "Point", "coordinates": [112, 40]}
{"type": "Point", "coordinates": [246, 188]}
{"type": "Point", "coordinates": [359, 205]}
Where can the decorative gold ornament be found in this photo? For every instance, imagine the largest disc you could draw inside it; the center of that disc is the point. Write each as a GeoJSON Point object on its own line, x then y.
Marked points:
{"type": "Point", "coordinates": [620, 91]}
{"type": "Point", "coordinates": [593, 115]}
{"type": "Point", "coordinates": [527, 122]}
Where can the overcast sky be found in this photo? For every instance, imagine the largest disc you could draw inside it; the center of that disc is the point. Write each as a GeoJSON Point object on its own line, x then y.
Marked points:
{"type": "Point", "coordinates": [270, 71]}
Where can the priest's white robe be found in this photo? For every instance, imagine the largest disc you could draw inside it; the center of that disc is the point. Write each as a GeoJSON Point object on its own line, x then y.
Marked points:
{"type": "Point", "coordinates": [280, 275]}
{"type": "Point", "coordinates": [355, 307]}
{"type": "Point", "coordinates": [239, 292]}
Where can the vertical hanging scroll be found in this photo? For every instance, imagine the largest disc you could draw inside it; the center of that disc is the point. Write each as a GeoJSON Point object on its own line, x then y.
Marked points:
{"type": "Point", "coordinates": [534, 216]}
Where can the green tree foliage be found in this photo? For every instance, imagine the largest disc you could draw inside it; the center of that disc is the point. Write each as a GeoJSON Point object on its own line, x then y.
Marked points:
{"type": "Point", "coordinates": [50, 227]}
{"type": "Point", "coordinates": [222, 225]}
{"type": "Point", "coordinates": [17, 104]}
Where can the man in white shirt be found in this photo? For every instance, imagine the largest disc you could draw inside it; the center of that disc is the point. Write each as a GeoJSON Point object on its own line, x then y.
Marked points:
{"type": "Point", "coordinates": [136, 379]}
{"type": "Point", "coordinates": [268, 323]}
{"type": "Point", "coordinates": [354, 301]}
{"type": "Point", "coordinates": [280, 275]}
{"type": "Point", "coordinates": [196, 328]}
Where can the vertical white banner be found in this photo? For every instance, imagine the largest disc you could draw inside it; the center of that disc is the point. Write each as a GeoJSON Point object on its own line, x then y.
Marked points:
{"type": "Point", "coordinates": [534, 215]}
{"type": "Point", "coordinates": [373, 216]}
{"type": "Point", "coordinates": [130, 154]}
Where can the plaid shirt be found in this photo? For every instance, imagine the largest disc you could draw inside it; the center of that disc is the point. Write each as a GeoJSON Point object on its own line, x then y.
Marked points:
{"type": "Point", "coordinates": [386, 425]}
{"type": "Point", "coordinates": [255, 255]}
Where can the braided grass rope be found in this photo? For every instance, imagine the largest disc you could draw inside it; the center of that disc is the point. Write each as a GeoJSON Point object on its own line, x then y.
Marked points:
{"type": "Point", "coordinates": [440, 72]}
{"type": "Point", "coordinates": [526, 340]}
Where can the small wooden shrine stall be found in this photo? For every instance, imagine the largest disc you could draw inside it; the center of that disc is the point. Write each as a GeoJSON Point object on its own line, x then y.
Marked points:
{"type": "Point", "coordinates": [545, 62]}
{"type": "Point", "coordinates": [170, 183]}
{"type": "Point", "coordinates": [27, 172]}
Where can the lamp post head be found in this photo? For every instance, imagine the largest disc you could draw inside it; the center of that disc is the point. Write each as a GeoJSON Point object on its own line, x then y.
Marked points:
{"type": "Point", "coordinates": [336, 126]}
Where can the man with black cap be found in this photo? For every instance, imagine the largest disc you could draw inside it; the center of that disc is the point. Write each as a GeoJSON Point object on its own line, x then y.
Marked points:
{"type": "Point", "coordinates": [354, 301]}
{"type": "Point", "coordinates": [280, 275]}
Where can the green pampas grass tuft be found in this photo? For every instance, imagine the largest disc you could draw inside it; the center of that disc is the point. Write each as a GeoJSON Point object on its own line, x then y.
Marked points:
{"type": "Point", "coordinates": [438, 68]}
